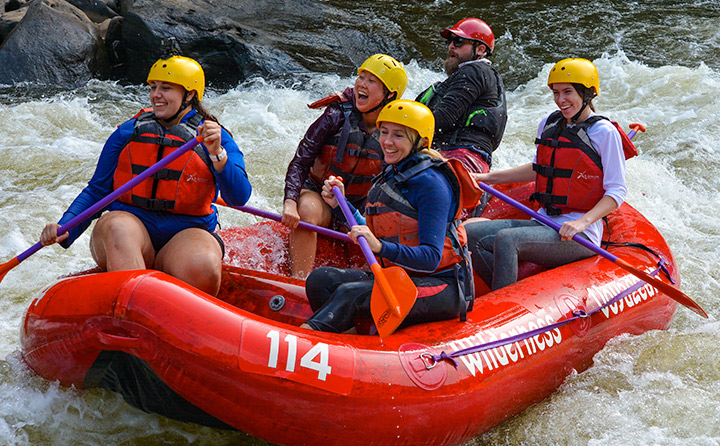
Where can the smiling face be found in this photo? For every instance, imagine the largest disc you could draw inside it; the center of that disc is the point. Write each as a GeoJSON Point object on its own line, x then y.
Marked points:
{"type": "Point", "coordinates": [395, 142]}
{"type": "Point", "coordinates": [569, 101]}
{"type": "Point", "coordinates": [166, 98]}
{"type": "Point", "coordinates": [369, 91]}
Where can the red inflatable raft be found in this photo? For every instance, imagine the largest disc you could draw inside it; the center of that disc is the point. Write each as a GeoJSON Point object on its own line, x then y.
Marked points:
{"type": "Point", "coordinates": [240, 361]}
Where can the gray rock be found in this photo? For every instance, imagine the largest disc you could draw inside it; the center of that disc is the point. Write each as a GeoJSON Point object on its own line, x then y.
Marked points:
{"type": "Point", "coordinates": [12, 5]}
{"type": "Point", "coordinates": [96, 10]}
{"type": "Point", "coordinates": [9, 21]}
{"type": "Point", "coordinates": [217, 34]}
{"type": "Point", "coordinates": [232, 40]}
{"type": "Point", "coordinates": [54, 44]}
{"type": "Point", "coordinates": [236, 39]}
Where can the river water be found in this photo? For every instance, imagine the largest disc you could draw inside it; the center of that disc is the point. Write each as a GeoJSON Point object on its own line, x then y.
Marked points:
{"type": "Point", "coordinates": [659, 64]}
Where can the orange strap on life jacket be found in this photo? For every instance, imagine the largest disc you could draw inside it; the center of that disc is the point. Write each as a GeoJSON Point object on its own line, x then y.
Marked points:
{"type": "Point", "coordinates": [327, 100]}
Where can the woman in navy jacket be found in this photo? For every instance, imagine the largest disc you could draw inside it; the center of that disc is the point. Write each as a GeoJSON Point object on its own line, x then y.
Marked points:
{"type": "Point", "coordinates": [168, 221]}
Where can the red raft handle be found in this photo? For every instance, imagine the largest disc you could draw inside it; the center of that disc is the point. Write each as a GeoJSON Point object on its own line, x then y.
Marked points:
{"type": "Point", "coordinates": [108, 333]}
{"type": "Point", "coordinates": [117, 342]}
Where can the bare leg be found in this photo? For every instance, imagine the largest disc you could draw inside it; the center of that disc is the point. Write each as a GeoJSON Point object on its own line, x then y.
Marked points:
{"type": "Point", "coordinates": [120, 242]}
{"type": "Point", "coordinates": [195, 257]}
{"type": "Point", "coordinates": [312, 209]}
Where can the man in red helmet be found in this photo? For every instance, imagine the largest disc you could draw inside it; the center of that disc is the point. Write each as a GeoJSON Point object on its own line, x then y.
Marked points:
{"type": "Point", "coordinates": [469, 106]}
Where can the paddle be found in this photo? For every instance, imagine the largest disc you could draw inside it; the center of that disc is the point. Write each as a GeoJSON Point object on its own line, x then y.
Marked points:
{"type": "Point", "coordinates": [668, 289]}
{"type": "Point", "coordinates": [397, 289]}
{"type": "Point", "coordinates": [278, 218]}
{"type": "Point", "coordinates": [635, 128]}
{"type": "Point", "coordinates": [100, 205]}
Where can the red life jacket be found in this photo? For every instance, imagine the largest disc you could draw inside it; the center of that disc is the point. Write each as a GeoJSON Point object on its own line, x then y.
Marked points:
{"type": "Point", "coordinates": [185, 186]}
{"type": "Point", "coordinates": [569, 172]}
{"type": "Point", "coordinates": [391, 217]}
{"type": "Point", "coordinates": [351, 154]}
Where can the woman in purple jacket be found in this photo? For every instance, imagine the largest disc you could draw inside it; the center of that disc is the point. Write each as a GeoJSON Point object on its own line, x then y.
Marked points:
{"type": "Point", "coordinates": [342, 142]}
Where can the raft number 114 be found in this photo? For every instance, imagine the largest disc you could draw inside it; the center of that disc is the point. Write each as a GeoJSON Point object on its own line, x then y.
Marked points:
{"type": "Point", "coordinates": [271, 351]}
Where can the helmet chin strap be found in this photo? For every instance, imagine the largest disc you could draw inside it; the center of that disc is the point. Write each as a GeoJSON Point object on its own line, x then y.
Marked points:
{"type": "Point", "coordinates": [386, 100]}
{"type": "Point", "coordinates": [183, 106]}
{"type": "Point", "coordinates": [586, 102]}
{"type": "Point", "coordinates": [416, 146]}
{"type": "Point", "coordinates": [476, 56]}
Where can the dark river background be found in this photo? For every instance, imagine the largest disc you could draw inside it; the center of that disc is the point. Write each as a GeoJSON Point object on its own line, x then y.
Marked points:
{"type": "Point", "coordinates": [659, 64]}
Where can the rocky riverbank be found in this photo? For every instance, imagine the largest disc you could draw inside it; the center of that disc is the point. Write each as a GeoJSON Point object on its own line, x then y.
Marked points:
{"type": "Point", "coordinates": [65, 43]}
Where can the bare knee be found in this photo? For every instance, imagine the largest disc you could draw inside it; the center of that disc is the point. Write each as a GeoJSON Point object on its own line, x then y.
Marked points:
{"type": "Point", "coordinates": [312, 209]}
{"type": "Point", "coordinates": [203, 273]}
{"type": "Point", "coordinates": [195, 257]}
{"type": "Point", "coordinates": [120, 241]}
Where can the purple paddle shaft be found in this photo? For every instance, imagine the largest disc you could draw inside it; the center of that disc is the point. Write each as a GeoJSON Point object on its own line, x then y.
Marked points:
{"type": "Point", "coordinates": [369, 256]}
{"type": "Point", "coordinates": [541, 218]}
{"type": "Point", "coordinates": [302, 225]}
{"type": "Point", "coordinates": [114, 195]}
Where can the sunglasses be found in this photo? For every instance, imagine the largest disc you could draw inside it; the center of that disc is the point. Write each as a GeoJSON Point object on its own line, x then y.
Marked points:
{"type": "Point", "coordinates": [456, 40]}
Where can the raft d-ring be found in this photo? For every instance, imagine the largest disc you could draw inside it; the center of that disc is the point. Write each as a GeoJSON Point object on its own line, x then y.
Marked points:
{"type": "Point", "coordinates": [277, 302]}
{"type": "Point", "coordinates": [420, 365]}
{"type": "Point", "coordinates": [429, 363]}
{"type": "Point", "coordinates": [572, 305]}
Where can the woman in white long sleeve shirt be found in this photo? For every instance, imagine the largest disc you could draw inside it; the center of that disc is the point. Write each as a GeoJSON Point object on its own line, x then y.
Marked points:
{"type": "Point", "coordinates": [579, 170]}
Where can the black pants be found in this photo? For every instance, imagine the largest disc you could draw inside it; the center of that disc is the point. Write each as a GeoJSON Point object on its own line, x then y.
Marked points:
{"type": "Point", "coordinates": [338, 295]}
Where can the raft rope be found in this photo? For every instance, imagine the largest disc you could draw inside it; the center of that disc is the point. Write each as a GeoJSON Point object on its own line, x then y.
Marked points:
{"type": "Point", "coordinates": [607, 244]}
{"type": "Point", "coordinates": [431, 360]}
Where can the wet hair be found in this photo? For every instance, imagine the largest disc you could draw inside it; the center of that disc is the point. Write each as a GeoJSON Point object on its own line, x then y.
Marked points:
{"type": "Point", "coordinates": [202, 111]}
{"type": "Point", "coordinates": [432, 152]}
{"type": "Point", "coordinates": [413, 136]}
{"type": "Point", "coordinates": [587, 94]}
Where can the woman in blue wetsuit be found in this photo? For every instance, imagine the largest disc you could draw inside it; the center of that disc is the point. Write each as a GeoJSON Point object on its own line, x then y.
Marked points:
{"type": "Point", "coordinates": [411, 220]}
{"type": "Point", "coordinates": [167, 222]}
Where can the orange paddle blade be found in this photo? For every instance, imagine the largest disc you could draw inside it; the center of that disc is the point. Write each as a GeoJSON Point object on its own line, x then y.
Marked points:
{"type": "Point", "coordinates": [7, 266]}
{"type": "Point", "coordinates": [666, 288]}
{"type": "Point", "coordinates": [393, 297]}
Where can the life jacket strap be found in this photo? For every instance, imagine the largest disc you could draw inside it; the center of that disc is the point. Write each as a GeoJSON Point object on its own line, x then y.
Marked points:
{"type": "Point", "coordinates": [153, 204]}
{"type": "Point", "coordinates": [354, 179]}
{"type": "Point", "coordinates": [162, 174]}
{"type": "Point", "coordinates": [552, 172]}
{"type": "Point", "coordinates": [160, 140]}
{"type": "Point", "coordinates": [364, 154]}
{"type": "Point", "coordinates": [344, 133]}
{"type": "Point", "coordinates": [544, 198]}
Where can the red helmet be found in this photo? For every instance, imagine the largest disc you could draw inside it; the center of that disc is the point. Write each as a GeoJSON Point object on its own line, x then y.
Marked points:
{"type": "Point", "coordinates": [473, 29]}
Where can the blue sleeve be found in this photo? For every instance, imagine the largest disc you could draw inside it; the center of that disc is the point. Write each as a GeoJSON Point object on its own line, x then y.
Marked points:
{"type": "Point", "coordinates": [101, 183]}
{"type": "Point", "coordinates": [435, 205]}
{"type": "Point", "coordinates": [233, 182]}
{"type": "Point", "coordinates": [338, 213]}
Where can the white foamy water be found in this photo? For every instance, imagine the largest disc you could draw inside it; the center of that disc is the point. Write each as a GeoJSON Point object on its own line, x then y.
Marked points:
{"type": "Point", "coordinates": [662, 387]}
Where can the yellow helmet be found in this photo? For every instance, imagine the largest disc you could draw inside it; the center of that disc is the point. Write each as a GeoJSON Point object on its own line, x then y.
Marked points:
{"type": "Point", "coordinates": [388, 70]}
{"type": "Point", "coordinates": [179, 70]}
{"type": "Point", "coordinates": [575, 71]}
{"type": "Point", "coordinates": [410, 114]}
